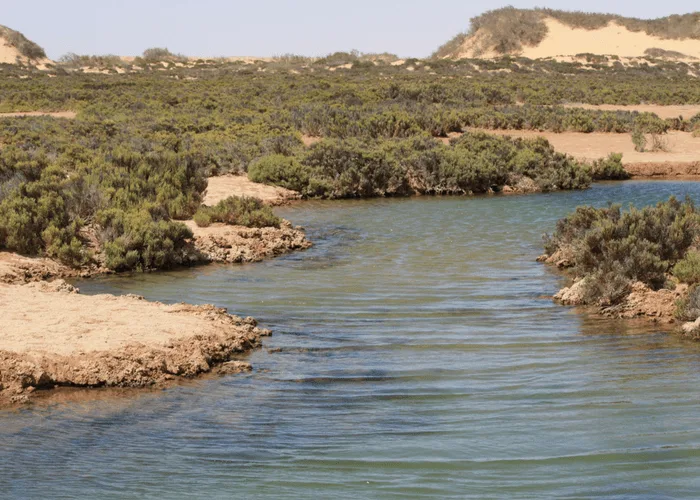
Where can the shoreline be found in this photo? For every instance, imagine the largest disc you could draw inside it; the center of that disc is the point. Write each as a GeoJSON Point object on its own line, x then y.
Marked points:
{"type": "Point", "coordinates": [153, 345]}
{"type": "Point", "coordinates": [643, 303]}
{"type": "Point", "coordinates": [55, 337]}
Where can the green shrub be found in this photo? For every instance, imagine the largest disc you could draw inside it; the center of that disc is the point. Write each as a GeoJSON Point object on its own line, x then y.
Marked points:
{"type": "Point", "coordinates": [687, 270]}
{"type": "Point", "coordinates": [203, 218]}
{"type": "Point", "coordinates": [141, 240]}
{"type": "Point", "coordinates": [279, 170]}
{"type": "Point", "coordinates": [639, 140]}
{"type": "Point", "coordinates": [611, 249]}
{"type": "Point", "coordinates": [609, 168]}
{"type": "Point", "coordinates": [688, 308]}
{"type": "Point", "coordinates": [158, 54]}
{"type": "Point", "coordinates": [238, 211]}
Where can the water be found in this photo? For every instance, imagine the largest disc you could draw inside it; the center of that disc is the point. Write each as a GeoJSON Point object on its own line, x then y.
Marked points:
{"type": "Point", "coordinates": [413, 357]}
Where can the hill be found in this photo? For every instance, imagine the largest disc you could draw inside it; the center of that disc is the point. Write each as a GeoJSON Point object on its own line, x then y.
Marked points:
{"type": "Point", "coordinates": [542, 33]}
{"type": "Point", "coordinates": [15, 48]}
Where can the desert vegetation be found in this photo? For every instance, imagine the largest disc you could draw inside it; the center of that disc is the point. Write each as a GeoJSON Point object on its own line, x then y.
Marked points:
{"type": "Point", "coordinates": [135, 160]}
{"type": "Point", "coordinates": [238, 211]}
{"type": "Point", "coordinates": [610, 249]}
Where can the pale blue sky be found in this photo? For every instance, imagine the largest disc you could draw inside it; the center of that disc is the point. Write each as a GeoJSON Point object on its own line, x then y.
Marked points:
{"type": "Point", "coordinates": [270, 27]}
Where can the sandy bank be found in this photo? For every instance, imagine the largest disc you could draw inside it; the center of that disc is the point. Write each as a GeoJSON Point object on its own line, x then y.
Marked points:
{"type": "Point", "coordinates": [657, 306]}
{"type": "Point", "coordinates": [56, 114]}
{"type": "Point", "coordinates": [222, 187]}
{"type": "Point", "coordinates": [53, 336]}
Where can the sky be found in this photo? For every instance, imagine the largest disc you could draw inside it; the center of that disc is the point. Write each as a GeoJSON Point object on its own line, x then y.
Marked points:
{"type": "Point", "coordinates": [211, 28]}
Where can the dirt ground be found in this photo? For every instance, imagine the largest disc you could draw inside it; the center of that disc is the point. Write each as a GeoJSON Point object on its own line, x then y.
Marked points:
{"type": "Point", "coordinates": [57, 114]}
{"type": "Point", "coordinates": [224, 186]}
{"type": "Point", "coordinates": [681, 159]}
{"type": "Point", "coordinates": [53, 336]}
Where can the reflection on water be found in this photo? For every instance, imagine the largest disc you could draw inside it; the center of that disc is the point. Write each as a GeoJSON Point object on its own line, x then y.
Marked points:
{"type": "Point", "coordinates": [413, 356]}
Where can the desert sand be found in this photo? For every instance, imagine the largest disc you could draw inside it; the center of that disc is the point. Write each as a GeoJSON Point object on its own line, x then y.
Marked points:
{"type": "Point", "coordinates": [55, 114]}
{"type": "Point", "coordinates": [95, 341]}
{"type": "Point", "coordinates": [8, 54]}
{"type": "Point", "coordinates": [563, 40]}
{"type": "Point", "coordinates": [222, 187]}
{"type": "Point", "coordinates": [682, 157]}
{"type": "Point", "coordinates": [673, 111]}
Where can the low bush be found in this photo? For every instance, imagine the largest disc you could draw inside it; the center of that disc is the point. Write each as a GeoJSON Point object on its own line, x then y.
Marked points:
{"type": "Point", "coordinates": [612, 249]}
{"type": "Point", "coordinates": [279, 170]}
{"type": "Point", "coordinates": [688, 308]}
{"type": "Point", "coordinates": [238, 211]}
{"type": "Point", "coordinates": [687, 270]}
{"type": "Point", "coordinates": [609, 168]}
{"type": "Point", "coordinates": [142, 239]}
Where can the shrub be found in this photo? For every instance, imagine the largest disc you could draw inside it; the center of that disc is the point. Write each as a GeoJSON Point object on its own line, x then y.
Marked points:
{"type": "Point", "coordinates": [141, 240]}
{"type": "Point", "coordinates": [158, 54]}
{"type": "Point", "coordinates": [609, 168]}
{"type": "Point", "coordinates": [688, 308]}
{"type": "Point", "coordinates": [612, 249]}
{"type": "Point", "coordinates": [687, 270]}
{"type": "Point", "coordinates": [238, 211]}
{"type": "Point", "coordinates": [639, 140]}
{"type": "Point", "coordinates": [279, 170]}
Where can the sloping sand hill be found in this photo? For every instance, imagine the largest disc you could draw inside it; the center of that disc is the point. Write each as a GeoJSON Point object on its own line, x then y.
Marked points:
{"type": "Point", "coordinates": [15, 48]}
{"type": "Point", "coordinates": [8, 54]}
{"type": "Point", "coordinates": [536, 35]}
{"type": "Point", "coordinates": [614, 39]}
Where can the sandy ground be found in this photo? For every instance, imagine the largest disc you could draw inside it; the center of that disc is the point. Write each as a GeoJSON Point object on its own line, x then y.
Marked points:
{"type": "Point", "coordinates": [56, 114]}
{"type": "Point", "coordinates": [563, 40]}
{"type": "Point", "coordinates": [53, 336]}
{"type": "Point", "coordinates": [224, 186]}
{"type": "Point", "coordinates": [686, 111]}
{"type": "Point", "coordinates": [310, 140]}
{"type": "Point", "coordinates": [8, 55]}
{"type": "Point", "coordinates": [683, 157]}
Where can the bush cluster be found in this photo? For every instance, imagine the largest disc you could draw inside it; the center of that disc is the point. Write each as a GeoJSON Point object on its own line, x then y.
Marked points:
{"type": "Point", "coordinates": [238, 211]}
{"type": "Point", "coordinates": [474, 163]}
{"type": "Point", "coordinates": [612, 249]}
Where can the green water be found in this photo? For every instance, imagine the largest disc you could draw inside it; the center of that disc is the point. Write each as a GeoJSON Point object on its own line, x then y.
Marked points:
{"type": "Point", "coordinates": [413, 357]}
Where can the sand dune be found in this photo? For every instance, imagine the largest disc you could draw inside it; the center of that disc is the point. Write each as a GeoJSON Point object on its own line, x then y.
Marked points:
{"type": "Point", "coordinates": [563, 40]}
{"type": "Point", "coordinates": [8, 54]}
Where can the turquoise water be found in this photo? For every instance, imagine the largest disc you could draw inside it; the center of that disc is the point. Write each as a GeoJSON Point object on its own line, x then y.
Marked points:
{"type": "Point", "coordinates": [414, 356]}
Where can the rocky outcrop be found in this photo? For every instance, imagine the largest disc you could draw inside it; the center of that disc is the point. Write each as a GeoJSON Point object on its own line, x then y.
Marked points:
{"type": "Point", "coordinates": [642, 301]}
{"type": "Point", "coordinates": [573, 295]}
{"type": "Point", "coordinates": [235, 244]}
